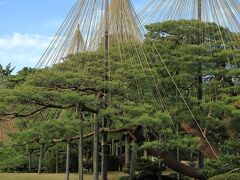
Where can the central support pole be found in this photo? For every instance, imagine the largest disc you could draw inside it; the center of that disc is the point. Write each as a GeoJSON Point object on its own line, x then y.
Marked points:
{"type": "Point", "coordinates": [106, 78]}
{"type": "Point", "coordinates": [200, 81]}
{"type": "Point", "coordinates": [199, 10]}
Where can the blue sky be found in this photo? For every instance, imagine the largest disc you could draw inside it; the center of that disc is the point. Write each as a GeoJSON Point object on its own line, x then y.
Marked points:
{"type": "Point", "coordinates": [27, 26]}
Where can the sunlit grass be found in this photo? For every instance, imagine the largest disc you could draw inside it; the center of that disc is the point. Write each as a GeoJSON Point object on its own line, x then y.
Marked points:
{"type": "Point", "coordinates": [112, 176]}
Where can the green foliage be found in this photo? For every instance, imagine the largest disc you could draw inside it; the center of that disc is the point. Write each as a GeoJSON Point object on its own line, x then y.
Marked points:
{"type": "Point", "coordinates": [147, 169]}
{"type": "Point", "coordinates": [11, 159]}
{"type": "Point", "coordinates": [7, 71]}
{"type": "Point", "coordinates": [225, 164]}
{"type": "Point", "coordinates": [45, 101]}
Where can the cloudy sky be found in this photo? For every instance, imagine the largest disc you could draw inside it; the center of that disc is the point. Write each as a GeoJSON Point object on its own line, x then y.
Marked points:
{"type": "Point", "coordinates": [27, 26]}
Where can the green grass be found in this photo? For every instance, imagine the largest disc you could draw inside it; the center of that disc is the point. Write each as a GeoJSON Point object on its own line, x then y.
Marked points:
{"type": "Point", "coordinates": [112, 176]}
{"type": "Point", "coordinates": [234, 176]}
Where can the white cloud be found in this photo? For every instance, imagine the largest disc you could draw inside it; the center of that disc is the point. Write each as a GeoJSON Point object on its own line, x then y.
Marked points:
{"type": "Point", "coordinates": [22, 50]}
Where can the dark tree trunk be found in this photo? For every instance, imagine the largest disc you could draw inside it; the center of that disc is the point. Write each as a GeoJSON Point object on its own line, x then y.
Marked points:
{"type": "Point", "coordinates": [172, 163]}
{"type": "Point", "coordinates": [201, 161]}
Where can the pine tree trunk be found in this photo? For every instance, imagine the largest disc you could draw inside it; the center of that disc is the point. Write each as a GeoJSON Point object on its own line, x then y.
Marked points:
{"type": "Point", "coordinates": [95, 148]}
{"type": "Point", "coordinates": [40, 159]}
{"type": "Point", "coordinates": [169, 161]}
{"type": "Point", "coordinates": [68, 160]}
{"type": "Point", "coordinates": [203, 146]}
{"type": "Point", "coordinates": [200, 160]}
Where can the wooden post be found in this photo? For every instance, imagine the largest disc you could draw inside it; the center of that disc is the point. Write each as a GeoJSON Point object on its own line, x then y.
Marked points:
{"type": "Point", "coordinates": [113, 147]}
{"type": "Point", "coordinates": [40, 159]}
{"type": "Point", "coordinates": [95, 148]}
{"type": "Point", "coordinates": [145, 154]}
{"type": "Point", "coordinates": [160, 170]}
{"type": "Point", "coordinates": [80, 150]}
{"type": "Point", "coordinates": [178, 154]}
{"type": "Point", "coordinates": [30, 160]}
{"type": "Point", "coordinates": [116, 149]}
{"type": "Point", "coordinates": [57, 168]}
{"type": "Point", "coordinates": [120, 153]}
{"type": "Point", "coordinates": [133, 161]}
{"type": "Point", "coordinates": [127, 151]}
{"type": "Point", "coordinates": [67, 160]}
{"type": "Point", "coordinates": [104, 156]}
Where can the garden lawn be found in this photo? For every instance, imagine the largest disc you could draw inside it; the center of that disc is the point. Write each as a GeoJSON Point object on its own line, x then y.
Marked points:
{"type": "Point", "coordinates": [15, 176]}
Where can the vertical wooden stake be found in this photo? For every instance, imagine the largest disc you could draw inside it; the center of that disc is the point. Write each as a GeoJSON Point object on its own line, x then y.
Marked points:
{"type": "Point", "coordinates": [127, 151]}
{"type": "Point", "coordinates": [67, 160]}
{"type": "Point", "coordinates": [95, 148]}
{"type": "Point", "coordinates": [30, 161]}
{"type": "Point", "coordinates": [113, 147]}
{"type": "Point", "coordinates": [40, 159]}
{"type": "Point", "coordinates": [80, 153]}
{"type": "Point", "coordinates": [120, 153]}
{"type": "Point", "coordinates": [160, 170]}
{"type": "Point", "coordinates": [133, 160]}
{"type": "Point", "coordinates": [57, 168]}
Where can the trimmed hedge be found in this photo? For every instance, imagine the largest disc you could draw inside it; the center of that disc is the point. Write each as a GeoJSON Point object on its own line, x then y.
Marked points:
{"type": "Point", "coordinates": [234, 176]}
{"type": "Point", "coordinates": [124, 178]}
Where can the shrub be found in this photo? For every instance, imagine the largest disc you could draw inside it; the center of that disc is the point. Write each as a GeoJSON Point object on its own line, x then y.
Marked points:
{"type": "Point", "coordinates": [124, 178]}
{"type": "Point", "coordinates": [225, 164]}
